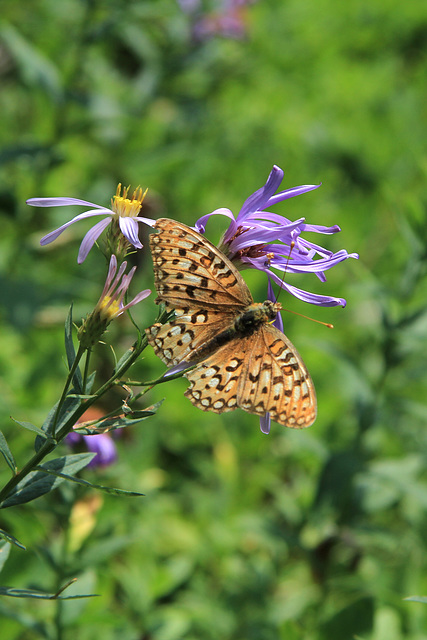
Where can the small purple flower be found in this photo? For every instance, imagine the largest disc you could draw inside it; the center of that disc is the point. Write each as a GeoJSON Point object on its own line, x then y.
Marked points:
{"type": "Point", "coordinates": [226, 18]}
{"type": "Point", "coordinates": [100, 443]}
{"type": "Point", "coordinates": [252, 240]}
{"type": "Point", "coordinates": [123, 210]}
{"type": "Point", "coordinates": [110, 304]}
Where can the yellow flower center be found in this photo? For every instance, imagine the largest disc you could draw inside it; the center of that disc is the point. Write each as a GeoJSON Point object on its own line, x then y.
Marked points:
{"type": "Point", "coordinates": [108, 309]}
{"type": "Point", "coordinates": [127, 207]}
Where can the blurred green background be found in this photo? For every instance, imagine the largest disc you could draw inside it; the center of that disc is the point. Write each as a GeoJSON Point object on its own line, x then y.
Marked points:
{"type": "Point", "coordinates": [308, 535]}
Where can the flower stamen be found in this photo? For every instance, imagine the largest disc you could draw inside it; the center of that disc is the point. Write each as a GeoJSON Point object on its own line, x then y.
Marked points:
{"type": "Point", "coordinates": [127, 207]}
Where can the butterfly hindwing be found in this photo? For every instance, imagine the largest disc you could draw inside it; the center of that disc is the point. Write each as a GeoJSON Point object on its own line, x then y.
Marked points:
{"type": "Point", "coordinates": [178, 340]}
{"type": "Point", "coordinates": [259, 373]}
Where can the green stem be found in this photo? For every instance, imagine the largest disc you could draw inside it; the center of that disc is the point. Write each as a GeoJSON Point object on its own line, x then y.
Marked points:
{"type": "Point", "coordinates": [44, 450]}
{"type": "Point", "coordinates": [86, 371]}
{"type": "Point", "coordinates": [50, 444]}
{"type": "Point", "coordinates": [68, 382]}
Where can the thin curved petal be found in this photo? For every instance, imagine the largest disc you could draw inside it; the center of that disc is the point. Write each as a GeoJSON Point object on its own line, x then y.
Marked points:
{"type": "Point", "coordinates": [90, 238]}
{"type": "Point", "coordinates": [291, 193]}
{"type": "Point", "coordinates": [200, 225]}
{"type": "Point", "coordinates": [265, 423]}
{"type": "Point", "coordinates": [259, 199]}
{"type": "Point", "coordinates": [50, 237]}
{"type": "Point", "coordinates": [305, 296]}
{"type": "Point", "coordinates": [149, 221]}
{"type": "Point", "coordinates": [318, 228]}
{"type": "Point", "coordinates": [62, 202]}
{"type": "Point", "coordinates": [129, 228]}
{"type": "Point", "coordinates": [140, 296]}
{"type": "Point", "coordinates": [278, 322]}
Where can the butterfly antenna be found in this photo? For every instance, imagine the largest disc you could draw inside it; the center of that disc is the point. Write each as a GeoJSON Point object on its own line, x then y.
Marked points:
{"type": "Point", "coordinates": [325, 324]}
{"type": "Point", "coordinates": [291, 247]}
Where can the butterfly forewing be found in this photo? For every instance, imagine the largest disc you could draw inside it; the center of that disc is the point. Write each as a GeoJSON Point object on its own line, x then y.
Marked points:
{"type": "Point", "coordinates": [260, 370]}
{"type": "Point", "coordinates": [189, 269]}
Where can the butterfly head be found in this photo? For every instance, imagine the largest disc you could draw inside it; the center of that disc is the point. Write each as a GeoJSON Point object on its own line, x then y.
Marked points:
{"type": "Point", "coordinates": [256, 315]}
{"type": "Point", "coordinates": [271, 309]}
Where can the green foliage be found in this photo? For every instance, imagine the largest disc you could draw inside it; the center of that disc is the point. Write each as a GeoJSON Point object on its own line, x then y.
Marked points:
{"type": "Point", "coordinates": [295, 536]}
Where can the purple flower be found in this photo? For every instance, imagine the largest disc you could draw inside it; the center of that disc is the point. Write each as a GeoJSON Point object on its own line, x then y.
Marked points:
{"type": "Point", "coordinates": [225, 18]}
{"type": "Point", "coordinates": [262, 240]}
{"type": "Point", "coordinates": [110, 304]}
{"type": "Point", "coordinates": [100, 443]}
{"type": "Point", "coordinates": [124, 211]}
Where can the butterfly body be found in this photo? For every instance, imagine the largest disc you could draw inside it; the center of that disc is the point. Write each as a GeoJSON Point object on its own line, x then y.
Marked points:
{"type": "Point", "coordinates": [241, 359]}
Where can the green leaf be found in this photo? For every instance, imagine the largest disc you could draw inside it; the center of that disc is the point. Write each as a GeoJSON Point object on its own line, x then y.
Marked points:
{"type": "Point", "coordinates": [90, 484]}
{"type": "Point", "coordinates": [10, 538]}
{"type": "Point", "coordinates": [7, 454]}
{"type": "Point", "coordinates": [71, 352]}
{"type": "Point", "coordinates": [70, 406]}
{"type": "Point", "coordinates": [355, 618]}
{"type": "Point", "coordinates": [128, 355]}
{"type": "Point", "coordinates": [25, 620]}
{"type": "Point", "coordinates": [5, 548]}
{"type": "Point", "coordinates": [30, 427]}
{"type": "Point", "coordinates": [37, 483]}
{"type": "Point", "coordinates": [35, 69]}
{"type": "Point", "coordinates": [422, 599]}
{"type": "Point", "coordinates": [41, 595]}
{"type": "Point", "coordinates": [118, 422]}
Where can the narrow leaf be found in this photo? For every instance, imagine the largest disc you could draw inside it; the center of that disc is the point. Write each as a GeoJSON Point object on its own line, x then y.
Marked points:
{"type": "Point", "coordinates": [10, 538]}
{"type": "Point", "coordinates": [128, 355]}
{"type": "Point", "coordinates": [5, 548]}
{"type": "Point", "coordinates": [116, 422]}
{"type": "Point", "coordinates": [25, 620]}
{"type": "Point", "coordinates": [37, 483]}
{"type": "Point", "coordinates": [70, 406]}
{"type": "Point", "coordinates": [71, 352]}
{"type": "Point", "coordinates": [30, 427]}
{"type": "Point", "coordinates": [7, 454]}
{"type": "Point", "coordinates": [85, 483]}
{"type": "Point", "coordinates": [40, 595]}
{"type": "Point", "coordinates": [422, 599]}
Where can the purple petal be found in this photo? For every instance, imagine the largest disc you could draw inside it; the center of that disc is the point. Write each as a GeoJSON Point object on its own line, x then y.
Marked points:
{"type": "Point", "coordinates": [265, 423]}
{"type": "Point", "coordinates": [73, 438]}
{"type": "Point", "coordinates": [129, 228]}
{"type": "Point", "coordinates": [141, 296]}
{"type": "Point", "coordinates": [258, 199]}
{"type": "Point", "coordinates": [305, 296]}
{"type": "Point", "coordinates": [312, 266]}
{"type": "Point", "coordinates": [61, 202]}
{"type": "Point", "coordinates": [318, 228]}
{"type": "Point", "coordinates": [50, 237]}
{"type": "Point", "coordinates": [200, 225]}
{"type": "Point", "coordinates": [90, 239]}
{"type": "Point", "coordinates": [103, 446]}
{"type": "Point", "coordinates": [278, 322]}
{"type": "Point", "coordinates": [265, 216]}
{"type": "Point", "coordinates": [177, 368]}
{"type": "Point", "coordinates": [258, 235]}
{"type": "Point", "coordinates": [148, 221]}
{"type": "Point", "coordinates": [291, 193]}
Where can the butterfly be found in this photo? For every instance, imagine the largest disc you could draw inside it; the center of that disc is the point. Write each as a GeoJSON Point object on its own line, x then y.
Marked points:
{"type": "Point", "coordinates": [241, 360]}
